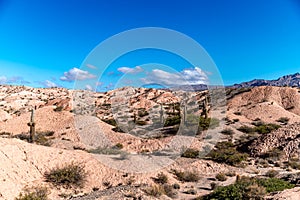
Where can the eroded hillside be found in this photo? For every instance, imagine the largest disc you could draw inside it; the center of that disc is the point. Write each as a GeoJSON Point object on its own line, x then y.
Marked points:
{"type": "Point", "coordinates": [137, 143]}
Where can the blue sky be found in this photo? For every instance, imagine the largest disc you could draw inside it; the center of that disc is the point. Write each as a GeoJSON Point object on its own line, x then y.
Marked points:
{"type": "Point", "coordinates": [45, 43]}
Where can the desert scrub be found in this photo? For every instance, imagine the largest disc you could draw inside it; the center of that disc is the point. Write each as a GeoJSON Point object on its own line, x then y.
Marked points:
{"type": "Point", "coordinates": [115, 150]}
{"type": "Point", "coordinates": [283, 120]}
{"type": "Point", "coordinates": [161, 178]}
{"type": "Point", "coordinates": [72, 175]}
{"type": "Point", "coordinates": [171, 121]}
{"type": "Point", "coordinates": [186, 176]}
{"type": "Point", "coordinates": [259, 128]}
{"type": "Point", "coordinates": [118, 146]}
{"type": "Point", "coordinates": [272, 173]}
{"type": "Point", "coordinates": [58, 109]}
{"type": "Point", "coordinates": [248, 188]}
{"type": "Point", "coordinates": [159, 190]}
{"type": "Point", "coordinates": [266, 128]}
{"type": "Point", "coordinates": [39, 193]}
{"type": "Point", "coordinates": [110, 121]}
{"type": "Point", "coordinates": [40, 138]}
{"type": "Point", "coordinates": [225, 152]}
{"type": "Point", "coordinates": [190, 153]}
{"type": "Point", "coordinates": [246, 129]}
{"type": "Point", "coordinates": [221, 177]}
{"type": "Point", "coordinates": [43, 138]}
{"type": "Point", "coordinates": [208, 123]}
{"type": "Point", "coordinates": [227, 131]}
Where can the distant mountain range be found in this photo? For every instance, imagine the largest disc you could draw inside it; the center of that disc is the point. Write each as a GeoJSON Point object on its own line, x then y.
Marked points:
{"type": "Point", "coordinates": [288, 80]}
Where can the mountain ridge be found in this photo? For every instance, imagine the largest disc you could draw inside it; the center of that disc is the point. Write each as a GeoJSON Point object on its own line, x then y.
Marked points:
{"type": "Point", "coordinates": [292, 80]}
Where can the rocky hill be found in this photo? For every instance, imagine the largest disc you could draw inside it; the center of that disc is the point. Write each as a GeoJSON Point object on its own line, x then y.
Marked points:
{"type": "Point", "coordinates": [138, 143]}
{"type": "Point", "coordinates": [288, 80]}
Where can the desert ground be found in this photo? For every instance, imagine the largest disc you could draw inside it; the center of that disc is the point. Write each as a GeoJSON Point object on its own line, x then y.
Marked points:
{"type": "Point", "coordinates": [140, 143]}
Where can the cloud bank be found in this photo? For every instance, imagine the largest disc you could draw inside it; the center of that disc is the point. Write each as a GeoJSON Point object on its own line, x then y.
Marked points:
{"type": "Point", "coordinates": [76, 74]}
{"type": "Point", "coordinates": [128, 70]}
{"type": "Point", "coordinates": [192, 76]}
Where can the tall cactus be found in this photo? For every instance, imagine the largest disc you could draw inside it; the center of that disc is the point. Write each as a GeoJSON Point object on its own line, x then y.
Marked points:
{"type": "Point", "coordinates": [205, 108]}
{"type": "Point", "coordinates": [161, 112]}
{"type": "Point", "coordinates": [31, 124]}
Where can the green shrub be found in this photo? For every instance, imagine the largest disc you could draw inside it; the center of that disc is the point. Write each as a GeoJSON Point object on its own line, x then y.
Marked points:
{"type": "Point", "coordinates": [225, 152]}
{"type": "Point", "coordinates": [110, 121]}
{"type": "Point", "coordinates": [246, 129]}
{"type": "Point", "coordinates": [221, 177]}
{"type": "Point", "coordinates": [106, 150]}
{"type": "Point", "coordinates": [260, 128]}
{"type": "Point", "coordinates": [190, 153]}
{"type": "Point", "coordinates": [72, 175]}
{"type": "Point", "coordinates": [283, 120]}
{"type": "Point", "coordinates": [186, 176]}
{"type": "Point", "coordinates": [227, 131]}
{"type": "Point", "coordinates": [274, 184]}
{"type": "Point", "coordinates": [118, 146]}
{"type": "Point", "coordinates": [272, 173]}
{"type": "Point", "coordinates": [266, 128]}
{"type": "Point", "coordinates": [248, 188]}
{"type": "Point", "coordinates": [161, 178]}
{"type": "Point", "coordinates": [39, 193]}
{"type": "Point", "coordinates": [58, 109]}
{"type": "Point", "coordinates": [171, 121]}
{"type": "Point", "coordinates": [206, 123]}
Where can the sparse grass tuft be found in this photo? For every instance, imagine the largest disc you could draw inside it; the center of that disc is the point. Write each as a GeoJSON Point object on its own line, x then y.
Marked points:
{"type": "Point", "coordinates": [186, 176]}
{"type": "Point", "coordinates": [72, 175]}
{"type": "Point", "coordinates": [159, 190]}
{"type": "Point", "coordinates": [39, 193]}
{"type": "Point", "coordinates": [221, 177]}
{"type": "Point", "coordinates": [161, 178]}
{"type": "Point", "coordinates": [106, 150]}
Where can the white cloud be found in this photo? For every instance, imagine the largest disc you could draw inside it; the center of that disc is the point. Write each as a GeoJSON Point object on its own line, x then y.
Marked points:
{"type": "Point", "coordinates": [128, 70]}
{"type": "Point", "coordinates": [76, 74]}
{"type": "Point", "coordinates": [13, 80]}
{"type": "Point", "coordinates": [98, 83]}
{"type": "Point", "coordinates": [49, 84]}
{"type": "Point", "coordinates": [3, 79]}
{"type": "Point", "coordinates": [91, 66]}
{"type": "Point", "coordinates": [193, 76]}
{"type": "Point", "coordinates": [88, 87]}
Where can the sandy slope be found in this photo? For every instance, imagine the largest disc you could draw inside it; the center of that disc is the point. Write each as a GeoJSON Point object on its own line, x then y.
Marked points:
{"type": "Point", "coordinates": [267, 103]}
